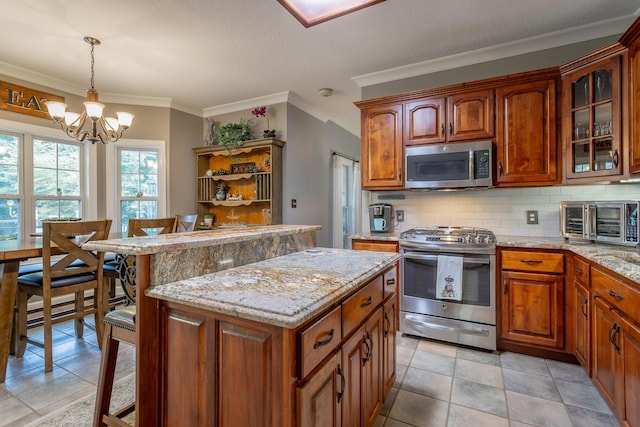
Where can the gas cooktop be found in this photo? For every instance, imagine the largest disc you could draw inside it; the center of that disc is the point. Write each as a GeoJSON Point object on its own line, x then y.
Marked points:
{"type": "Point", "coordinates": [445, 236]}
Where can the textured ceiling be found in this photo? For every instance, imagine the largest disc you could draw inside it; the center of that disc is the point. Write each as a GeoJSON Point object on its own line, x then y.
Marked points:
{"type": "Point", "coordinates": [197, 55]}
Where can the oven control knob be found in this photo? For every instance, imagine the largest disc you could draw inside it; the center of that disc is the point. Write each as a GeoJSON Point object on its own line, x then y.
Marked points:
{"type": "Point", "coordinates": [445, 306]}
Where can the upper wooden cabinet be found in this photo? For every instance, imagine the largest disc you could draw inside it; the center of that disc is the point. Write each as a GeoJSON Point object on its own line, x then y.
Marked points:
{"type": "Point", "coordinates": [631, 39]}
{"type": "Point", "coordinates": [457, 117]}
{"type": "Point", "coordinates": [592, 128]}
{"type": "Point", "coordinates": [526, 148]}
{"type": "Point", "coordinates": [382, 153]}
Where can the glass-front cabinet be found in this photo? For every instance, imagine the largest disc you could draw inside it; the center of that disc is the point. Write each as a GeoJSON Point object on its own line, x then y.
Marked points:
{"type": "Point", "coordinates": [591, 122]}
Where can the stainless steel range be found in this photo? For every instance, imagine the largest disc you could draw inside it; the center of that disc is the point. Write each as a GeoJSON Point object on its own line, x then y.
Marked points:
{"type": "Point", "coordinates": [448, 285]}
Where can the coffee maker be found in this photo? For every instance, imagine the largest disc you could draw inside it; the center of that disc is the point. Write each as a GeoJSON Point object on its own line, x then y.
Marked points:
{"type": "Point", "coordinates": [380, 217]}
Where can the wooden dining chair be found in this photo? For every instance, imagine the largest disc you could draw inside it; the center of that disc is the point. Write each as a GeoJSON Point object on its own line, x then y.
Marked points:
{"type": "Point", "coordinates": [186, 223]}
{"type": "Point", "coordinates": [139, 227]}
{"type": "Point", "coordinates": [67, 269]}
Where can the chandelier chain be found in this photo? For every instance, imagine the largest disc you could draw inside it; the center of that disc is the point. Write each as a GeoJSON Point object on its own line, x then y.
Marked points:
{"type": "Point", "coordinates": [92, 62]}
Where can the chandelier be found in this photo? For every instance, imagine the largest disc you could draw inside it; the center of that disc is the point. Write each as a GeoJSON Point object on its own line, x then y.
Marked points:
{"type": "Point", "coordinates": [103, 129]}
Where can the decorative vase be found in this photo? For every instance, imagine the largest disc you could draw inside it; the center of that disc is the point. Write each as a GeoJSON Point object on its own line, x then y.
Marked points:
{"type": "Point", "coordinates": [221, 192]}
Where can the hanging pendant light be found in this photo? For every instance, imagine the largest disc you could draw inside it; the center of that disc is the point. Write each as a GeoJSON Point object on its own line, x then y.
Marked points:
{"type": "Point", "coordinates": [100, 128]}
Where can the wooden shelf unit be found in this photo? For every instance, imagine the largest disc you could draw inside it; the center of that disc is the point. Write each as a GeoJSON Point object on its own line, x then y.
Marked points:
{"type": "Point", "coordinates": [260, 189]}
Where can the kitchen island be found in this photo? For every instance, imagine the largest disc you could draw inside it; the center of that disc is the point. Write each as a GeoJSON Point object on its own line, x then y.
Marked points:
{"type": "Point", "coordinates": [259, 341]}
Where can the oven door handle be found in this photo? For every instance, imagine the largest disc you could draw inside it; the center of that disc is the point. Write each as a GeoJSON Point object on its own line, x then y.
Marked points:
{"type": "Point", "coordinates": [435, 258]}
{"type": "Point", "coordinates": [479, 331]}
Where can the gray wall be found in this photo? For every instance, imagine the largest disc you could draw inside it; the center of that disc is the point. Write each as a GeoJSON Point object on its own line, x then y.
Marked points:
{"type": "Point", "coordinates": [308, 171]}
{"type": "Point", "coordinates": [185, 134]}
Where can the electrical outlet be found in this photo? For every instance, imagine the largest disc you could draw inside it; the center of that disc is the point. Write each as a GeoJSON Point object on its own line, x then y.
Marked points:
{"type": "Point", "coordinates": [532, 217]}
{"type": "Point", "coordinates": [399, 215]}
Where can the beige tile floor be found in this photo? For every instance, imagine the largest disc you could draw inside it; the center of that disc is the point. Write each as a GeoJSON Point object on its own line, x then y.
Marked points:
{"type": "Point", "coordinates": [437, 385]}
{"type": "Point", "coordinates": [28, 393]}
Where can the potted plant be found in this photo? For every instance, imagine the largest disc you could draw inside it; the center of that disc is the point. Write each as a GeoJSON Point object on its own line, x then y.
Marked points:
{"type": "Point", "coordinates": [233, 135]}
{"type": "Point", "coordinates": [262, 112]}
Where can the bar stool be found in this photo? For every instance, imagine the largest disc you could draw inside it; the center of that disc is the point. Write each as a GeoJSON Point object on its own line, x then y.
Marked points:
{"type": "Point", "coordinates": [120, 325]}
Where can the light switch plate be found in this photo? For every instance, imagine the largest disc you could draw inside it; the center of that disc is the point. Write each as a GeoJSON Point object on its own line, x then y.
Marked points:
{"type": "Point", "coordinates": [532, 217]}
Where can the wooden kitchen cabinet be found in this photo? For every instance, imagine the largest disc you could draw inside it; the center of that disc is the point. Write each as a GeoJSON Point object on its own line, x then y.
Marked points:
{"type": "Point", "coordinates": [532, 298]}
{"type": "Point", "coordinates": [526, 149]}
{"type": "Point", "coordinates": [616, 344]}
{"type": "Point", "coordinates": [582, 312]}
{"type": "Point", "coordinates": [458, 117]}
{"type": "Point", "coordinates": [253, 171]}
{"type": "Point", "coordinates": [362, 360]}
{"type": "Point", "coordinates": [591, 116]}
{"type": "Point", "coordinates": [381, 147]}
{"type": "Point", "coordinates": [219, 369]}
{"type": "Point", "coordinates": [631, 39]}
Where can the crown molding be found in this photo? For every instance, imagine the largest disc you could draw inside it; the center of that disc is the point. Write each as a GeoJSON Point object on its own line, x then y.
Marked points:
{"type": "Point", "coordinates": [246, 104]}
{"type": "Point", "coordinates": [569, 36]}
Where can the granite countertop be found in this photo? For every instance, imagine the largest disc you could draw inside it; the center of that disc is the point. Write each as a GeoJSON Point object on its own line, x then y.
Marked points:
{"type": "Point", "coordinates": [195, 239]}
{"type": "Point", "coordinates": [285, 291]}
{"type": "Point", "coordinates": [624, 260]}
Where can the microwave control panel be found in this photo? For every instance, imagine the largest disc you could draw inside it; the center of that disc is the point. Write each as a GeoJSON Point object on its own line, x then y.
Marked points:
{"type": "Point", "coordinates": [481, 164]}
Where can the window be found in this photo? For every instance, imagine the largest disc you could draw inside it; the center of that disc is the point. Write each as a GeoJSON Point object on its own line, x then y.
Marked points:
{"type": "Point", "coordinates": [10, 200]}
{"type": "Point", "coordinates": [346, 203]}
{"type": "Point", "coordinates": [138, 185]}
{"type": "Point", "coordinates": [135, 181]}
{"type": "Point", "coordinates": [57, 180]}
{"type": "Point", "coordinates": [43, 176]}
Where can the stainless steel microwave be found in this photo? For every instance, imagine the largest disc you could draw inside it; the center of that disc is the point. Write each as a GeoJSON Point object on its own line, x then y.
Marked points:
{"type": "Point", "coordinates": [452, 165]}
{"type": "Point", "coordinates": [613, 221]}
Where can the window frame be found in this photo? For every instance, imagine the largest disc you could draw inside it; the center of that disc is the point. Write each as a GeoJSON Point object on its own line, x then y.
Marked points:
{"type": "Point", "coordinates": [89, 167]}
{"type": "Point", "coordinates": [113, 176]}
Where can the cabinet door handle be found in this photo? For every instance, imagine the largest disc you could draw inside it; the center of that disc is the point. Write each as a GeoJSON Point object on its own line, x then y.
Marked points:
{"type": "Point", "coordinates": [613, 332]}
{"type": "Point", "coordinates": [365, 358]}
{"type": "Point", "coordinates": [342, 383]}
{"type": "Point", "coordinates": [500, 168]}
{"type": "Point", "coordinates": [615, 158]}
{"type": "Point", "coordinates": [531, 261]}
{"type": "Point", "coordinates": [442, 128]}
{"type": "Point", "coordinates": [324, 341]}
{"type": "Point", "coordinates": [584, 304]}
{"type": "Point", "coordinates": [369, 301]}
{"type": "Point", "coordinates": [505, 288]}
{"type": "Point", "coordinates": [617, 297]}
{"type": "Point", "coordinates": [387, 325]}
{"type": "Point", "coordinates": [450, 128]}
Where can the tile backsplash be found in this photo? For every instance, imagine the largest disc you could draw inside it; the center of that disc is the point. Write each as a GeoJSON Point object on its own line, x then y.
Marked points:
{"type": "Point", "coordinates": [502, 210]}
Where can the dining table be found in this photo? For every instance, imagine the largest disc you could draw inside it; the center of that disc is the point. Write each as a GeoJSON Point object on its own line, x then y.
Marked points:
{"type": "Point", "coordinates": [12, 252]}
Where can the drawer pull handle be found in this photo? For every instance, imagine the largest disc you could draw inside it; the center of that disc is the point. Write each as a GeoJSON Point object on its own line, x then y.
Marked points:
{"type": "Point", "coordinates": [618, 297]}
{"type": "Point", "coordinates": [531, 261]}
{"type": "Point", "coordinates": [369, 301]}
{"type": "Point", "coordinates": [324, 341]}
{"type": "Point", "coordinates": [391, 282]}
{"type": "Point", "coordinates": [579, 271]}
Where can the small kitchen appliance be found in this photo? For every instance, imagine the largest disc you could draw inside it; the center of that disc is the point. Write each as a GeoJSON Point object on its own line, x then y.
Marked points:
{"type": "Point", "coordinates": [614, 221]}
{"type": "Point", "coordinates": [380, 217]}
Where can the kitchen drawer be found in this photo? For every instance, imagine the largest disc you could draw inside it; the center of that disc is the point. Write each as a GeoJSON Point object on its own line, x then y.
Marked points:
{"type": "Point", "coordinates": [581, 271]}
{"type": "Point", "coordinates": [540, 262]}
{"type": "Point", "coordinates": [360, 305]}
{"type": "Point", "coordinates": [319, 340]}
{"type": "Point", "coordinates": [374, 245]}
{"type": "Point", "coordinates": [616, 293]}
{"type": "Point", "coordinates": [390, 282]}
